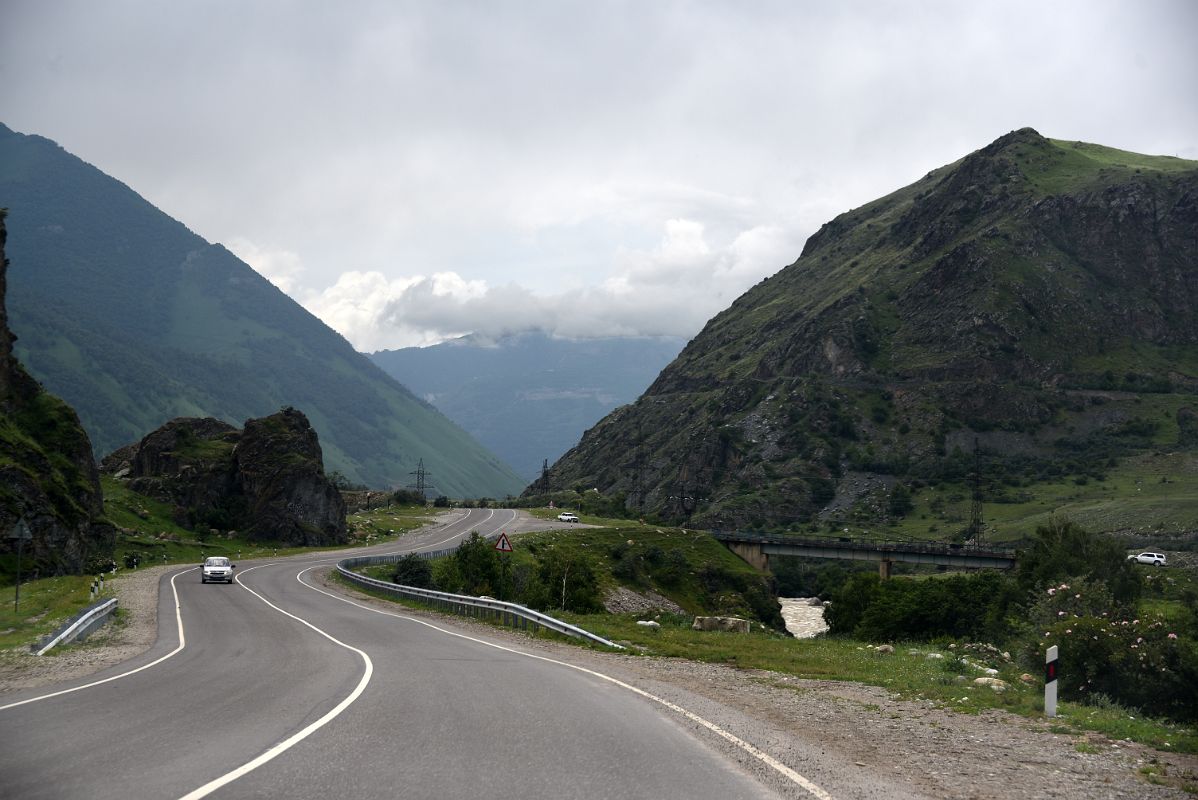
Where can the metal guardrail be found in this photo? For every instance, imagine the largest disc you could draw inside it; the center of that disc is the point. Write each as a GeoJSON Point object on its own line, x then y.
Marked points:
{"type": "Point", "coordinates": [78, 626]}
{"type": "Point", "coordinates": [509, 614]}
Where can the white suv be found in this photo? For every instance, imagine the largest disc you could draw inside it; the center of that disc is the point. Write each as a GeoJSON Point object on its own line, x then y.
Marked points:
{"type": "Point", "coordinates": [1155, 559]}
{"type": "Point", "coordinates": [566, 516]}
{"type": "Point", "coordinates": [216, 568]}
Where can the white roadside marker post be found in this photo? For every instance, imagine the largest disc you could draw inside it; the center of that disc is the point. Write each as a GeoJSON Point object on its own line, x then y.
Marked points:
{"type": "Point", "coordinates": [1050, 682]}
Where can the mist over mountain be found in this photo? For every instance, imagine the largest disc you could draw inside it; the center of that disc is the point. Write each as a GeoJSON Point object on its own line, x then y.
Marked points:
{"type": "Point", "coordinates": [529, 397]}
{"type": "Point", "coordinates": [135, 320]}
{"type": "Point", "coordinates": [1037, 297]}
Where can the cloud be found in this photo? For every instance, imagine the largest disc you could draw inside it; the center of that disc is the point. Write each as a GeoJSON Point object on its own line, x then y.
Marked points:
{"type": "Point", "coordinates": [280, 267]}
{"type": "Point", "coordinates": [670, 289]}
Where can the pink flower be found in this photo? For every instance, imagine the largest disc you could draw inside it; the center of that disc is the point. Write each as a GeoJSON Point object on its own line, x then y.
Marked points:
{"type": "Point", "coordinates": [1139, 640]}
{"type": "Point", "coordinates": [1052, 591]}
{"type": "Point", "coordinates": [1173, 636]}
{"type": "Point", "coordinates": [1135, 622]}
{"type": "Point", "coordinates": [1060, 613]}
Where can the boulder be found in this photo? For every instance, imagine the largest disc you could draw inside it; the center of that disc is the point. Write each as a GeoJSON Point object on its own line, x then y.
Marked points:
{"type": "Point", "coordinates": [266, 480]}
{"type": "Point", "coordinates": [884, 649]}
{"type": "Point", "coordinates": [994, 683]}
{"type": "Point", "coordinates": [726, 624]}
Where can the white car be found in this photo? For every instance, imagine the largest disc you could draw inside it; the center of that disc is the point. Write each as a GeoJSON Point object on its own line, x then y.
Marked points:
{"type": "Point", "coordinates": [1155, 559]}
{"type": "Point", "coordinates": [566, 516]}
{"type": "Point", "coordinates": [217, 568]}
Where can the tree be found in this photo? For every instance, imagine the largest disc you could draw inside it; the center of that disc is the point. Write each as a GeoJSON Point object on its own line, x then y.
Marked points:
{"type": "Point", "coordinates": [412, 570]}
{"type": "Point", "coordinates": [900, 500]}
{"type": "Point", "coordinates": [1062, 549]}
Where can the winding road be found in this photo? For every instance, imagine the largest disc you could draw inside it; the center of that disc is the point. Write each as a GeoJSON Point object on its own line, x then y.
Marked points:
{"type": "Point", "coordinates": [277, 686]}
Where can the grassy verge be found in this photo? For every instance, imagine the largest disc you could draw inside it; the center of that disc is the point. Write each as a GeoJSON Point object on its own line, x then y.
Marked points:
{"type": "Point", "coordinates": [45, 604]}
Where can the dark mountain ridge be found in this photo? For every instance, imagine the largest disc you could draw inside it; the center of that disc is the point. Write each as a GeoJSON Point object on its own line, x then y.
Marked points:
{"type": "Point", "coordinates": [135, 320]}
{"type": "Point", "coordinates": [986, 298]}
{"type": "Point", "coordinates": [48, 480]}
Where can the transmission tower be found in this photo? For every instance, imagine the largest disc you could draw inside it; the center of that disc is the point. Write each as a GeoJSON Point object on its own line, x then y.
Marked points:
{"type": "Point", "coordinates": [545, 476]}
{"type": "Point", "coordinates": [975, 511]}
{"type": "Point", "coordinates": [421, 485]}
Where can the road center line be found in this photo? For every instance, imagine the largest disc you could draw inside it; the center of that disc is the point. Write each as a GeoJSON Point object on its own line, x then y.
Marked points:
{"type": "Point", "coordinates": [182, 644]}
{"type": "Point", "coordinates": [299, 736]}
{"type": "Point", "coordinates": [762, 756]}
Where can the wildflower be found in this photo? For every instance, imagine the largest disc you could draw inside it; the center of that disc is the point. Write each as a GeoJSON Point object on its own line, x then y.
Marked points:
{"type": "Point", "coordinates": [1077, 597]}
{"type": "Point", "coordinates": [1139, 640]}
{"type": "Point", "coordinates": [1052, 591]}
{"type": "Point", "coordinates": [1173, 636]}
{"type": "Point", "coordinates": [1060, 613]}
{"type": "Point", "coordinates": [1069, 630]}
{"type": "Point", "coordinates": [1135, 622]}
{"type": "Point", "coordinates": [1045, 633]}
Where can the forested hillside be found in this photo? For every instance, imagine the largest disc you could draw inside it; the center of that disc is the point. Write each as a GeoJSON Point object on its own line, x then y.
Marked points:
{"type": "Point", "coordinates": [135, 320]}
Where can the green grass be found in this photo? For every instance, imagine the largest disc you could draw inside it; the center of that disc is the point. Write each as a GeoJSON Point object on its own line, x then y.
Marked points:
{"type": "Point", "coordinates": [45, 604]}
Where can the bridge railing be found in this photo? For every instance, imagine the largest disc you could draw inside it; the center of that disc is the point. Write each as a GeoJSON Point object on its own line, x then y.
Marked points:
{"type": "Point", "coordinates": [509, 614]}
{"type": "Point", "coordinates": [859, 543]}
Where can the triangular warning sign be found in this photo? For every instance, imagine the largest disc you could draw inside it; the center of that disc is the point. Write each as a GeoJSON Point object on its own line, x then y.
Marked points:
{"type": "Point", "coordinates": [503, 545]}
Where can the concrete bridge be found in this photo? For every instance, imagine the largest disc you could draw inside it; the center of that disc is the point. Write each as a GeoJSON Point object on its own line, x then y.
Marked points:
{"type": "Point", "coordinates": [756, 549]}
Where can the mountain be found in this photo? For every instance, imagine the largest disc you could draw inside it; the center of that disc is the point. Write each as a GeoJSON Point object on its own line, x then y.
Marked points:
{"type": "Point", "coordinates": [529, 397]}
{"type": "Point", "coordinates": [1037, 298]}
{"type": "Point", "coordinates": [48, 479]}
{"type": "Point", "coordinates": [135, 320]}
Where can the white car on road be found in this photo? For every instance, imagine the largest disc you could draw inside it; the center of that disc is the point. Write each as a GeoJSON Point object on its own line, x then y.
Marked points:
{"type": "Point", "coordinates": [217, 568]}
{"type": "Point", "coordinates": [1155, 559]}
{"type": "Point", "coordinates": [566, 516]}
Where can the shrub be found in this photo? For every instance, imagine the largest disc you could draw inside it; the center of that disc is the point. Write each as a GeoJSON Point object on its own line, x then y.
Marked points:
{"type": "Point", "coordinates": [412, 570]}
{"type": "Point", "coordinates": [1139, 662]}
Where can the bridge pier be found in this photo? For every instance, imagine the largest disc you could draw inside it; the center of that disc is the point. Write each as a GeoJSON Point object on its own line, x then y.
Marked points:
{"type": "Point", "coordinates": [752, 553]}
{"type": "Point", "coordinates": [884, 569]}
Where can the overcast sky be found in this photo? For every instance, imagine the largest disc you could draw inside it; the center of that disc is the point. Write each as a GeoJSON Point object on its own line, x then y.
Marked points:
{"type": "Point", "coordinates": [411, 171]}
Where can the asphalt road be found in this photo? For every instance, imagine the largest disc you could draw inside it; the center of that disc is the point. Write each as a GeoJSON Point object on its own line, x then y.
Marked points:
{"type": "Point", "coordinates": [282, 689]}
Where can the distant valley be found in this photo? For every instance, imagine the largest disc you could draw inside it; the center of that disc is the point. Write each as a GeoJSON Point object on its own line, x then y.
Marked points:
{"type": "Point", "coordinates": [529, 397]}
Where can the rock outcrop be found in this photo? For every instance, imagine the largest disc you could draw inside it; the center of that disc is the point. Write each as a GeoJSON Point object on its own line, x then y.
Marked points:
{"type": "Point", "coordinates": [992, 300]}
{"type": "Point", "coordinates": [47, 475]}
{"type": "Point", "coordinates": [266, 481]}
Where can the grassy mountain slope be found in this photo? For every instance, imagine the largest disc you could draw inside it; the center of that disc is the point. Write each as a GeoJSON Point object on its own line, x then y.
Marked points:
{"type": "Point", "coordinates": [1038, 297]}
{"type": "Point", "coordinates": [529, 397]}
{"type": "Point", "coordinates": [134, 320]}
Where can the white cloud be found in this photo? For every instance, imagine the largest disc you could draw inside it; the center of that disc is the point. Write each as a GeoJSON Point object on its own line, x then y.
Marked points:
{"type": "Point", "coordinates": [671, 289]}
{"type": "Point", "coordinates": [280, 267]}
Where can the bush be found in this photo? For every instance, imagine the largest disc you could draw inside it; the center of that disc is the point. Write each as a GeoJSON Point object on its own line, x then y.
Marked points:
{"type": "Point", "coordinates": [412, 570]}
{"type": "Point", "coordinates": [1064, 550]}
{"type": "Point", "coordinates": [1139, 662]}
{"type": "Point", "coordinates": [957, 606]}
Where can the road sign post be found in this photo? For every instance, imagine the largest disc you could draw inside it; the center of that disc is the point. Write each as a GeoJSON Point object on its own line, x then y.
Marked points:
{"type": "Point", "coordinates": [1050, 682]}
{"type": "Point", "coordinates": [504, 546]}
{"type": "Point", "coordinates": [22, 534]}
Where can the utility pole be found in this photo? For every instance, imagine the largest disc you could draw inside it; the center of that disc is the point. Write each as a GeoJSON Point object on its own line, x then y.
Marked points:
{"type": "Point", "coordinates": [421, 484]}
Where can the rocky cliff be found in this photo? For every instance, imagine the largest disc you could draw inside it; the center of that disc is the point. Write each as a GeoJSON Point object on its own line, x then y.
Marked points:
{"type": "Point", "coordinates": [266, 480]}
{"type": "Point", "coordinates": [1037, 296]}
{"type": "Point", "coordinates": [47, 475]}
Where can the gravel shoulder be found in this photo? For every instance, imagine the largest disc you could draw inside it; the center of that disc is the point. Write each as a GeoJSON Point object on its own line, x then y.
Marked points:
{"type": "Point", "coordinates": [854, 740]}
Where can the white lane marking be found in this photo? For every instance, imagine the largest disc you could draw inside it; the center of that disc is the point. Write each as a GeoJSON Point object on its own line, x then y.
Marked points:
{"type": "Point", "coordinates": [762, 756]}
{"type": "Point", "coordinates": [182, 644]}
{"type": "Point", "coordinates": [299, 736]}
